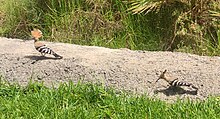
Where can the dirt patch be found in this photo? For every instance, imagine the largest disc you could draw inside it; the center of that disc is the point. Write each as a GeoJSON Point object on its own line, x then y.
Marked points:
{"type": "Point", "coordinates": [134, 71]}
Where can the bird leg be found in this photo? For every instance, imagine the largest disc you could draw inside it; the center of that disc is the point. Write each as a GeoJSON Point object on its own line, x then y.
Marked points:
{"type": "Point", "coordinates": [43, 54]}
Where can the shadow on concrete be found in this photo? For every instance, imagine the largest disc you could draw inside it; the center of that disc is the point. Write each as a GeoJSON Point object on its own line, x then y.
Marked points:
{"type": "Point", "coordinates": [172, 90]}
{"type": "Point", "coordinates": [38, 58]}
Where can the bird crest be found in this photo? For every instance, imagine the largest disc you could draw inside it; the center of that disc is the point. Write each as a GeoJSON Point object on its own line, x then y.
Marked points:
{"type": "Point", "coordinates": [166, 77]}
{"type": "Point", "coordinates": [36, 33]}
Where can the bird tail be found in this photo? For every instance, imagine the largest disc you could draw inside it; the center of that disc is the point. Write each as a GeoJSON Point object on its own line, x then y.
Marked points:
{"type": "Point", "coordinates": [57, 56]}
{"type": "Point", "coordinates": [189, 85]}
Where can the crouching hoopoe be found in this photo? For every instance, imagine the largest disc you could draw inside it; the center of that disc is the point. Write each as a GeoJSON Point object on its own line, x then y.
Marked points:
{"type": "Point", "coordinates": [42, 48]}
{"type": "Point", "coordinates": [174, 81]}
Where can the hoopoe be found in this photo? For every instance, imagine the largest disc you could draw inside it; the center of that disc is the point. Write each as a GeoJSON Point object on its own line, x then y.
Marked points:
{"type": "Point", "coordinates": [42, 48]}
{"type": "Point", "coordinates": [174, 81]}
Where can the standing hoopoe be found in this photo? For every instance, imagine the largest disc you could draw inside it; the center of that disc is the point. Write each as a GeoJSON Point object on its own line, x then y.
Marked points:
{"type": "Point", "coordinates": [42, 48]}
{"type": "Point", "coordinates": [174, 81]}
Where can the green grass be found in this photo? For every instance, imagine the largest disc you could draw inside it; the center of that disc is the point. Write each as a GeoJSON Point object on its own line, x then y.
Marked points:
{"type": "Point", "coordinates": [91, 101]}
{"type": "Point", "coordinates": [111, 24]}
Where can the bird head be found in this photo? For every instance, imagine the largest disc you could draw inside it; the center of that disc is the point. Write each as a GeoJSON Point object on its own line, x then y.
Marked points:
{"type": "Point", "coordinates": [162, 76]}
{"type": "Point", "coordinates": [36, 33]}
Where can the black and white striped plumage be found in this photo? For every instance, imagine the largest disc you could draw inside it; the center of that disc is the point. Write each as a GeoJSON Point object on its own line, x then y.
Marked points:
{"type": "Point", "coordinates": [45, 50]}
{"type": "Point", "coordinates": [174, 81]}
{"type": "Point", "coordinates": [42, 48]}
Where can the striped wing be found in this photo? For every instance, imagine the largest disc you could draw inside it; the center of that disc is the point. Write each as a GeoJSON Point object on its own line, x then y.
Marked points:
{"type": "Point", "coordinates": [44, 49]}
{"type": "Point", "coordinates": [179, 83]}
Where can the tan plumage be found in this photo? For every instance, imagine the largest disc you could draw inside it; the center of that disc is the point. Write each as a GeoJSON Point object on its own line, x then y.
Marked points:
{"type": "Point", "coordinates": [39, 46]}
{"type": "Point", "coordinates": [166, 77]}
{"type": "Point", "coordinates": [174, 81]}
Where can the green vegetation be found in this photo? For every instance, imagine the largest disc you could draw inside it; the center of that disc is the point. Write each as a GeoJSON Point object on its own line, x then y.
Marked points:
{"type": "Point", "coordinates": [178, 25]}
{"type": "Point", "coordinates": [90, 101]}
{"type": "Point", "coordinates": [175, 25]}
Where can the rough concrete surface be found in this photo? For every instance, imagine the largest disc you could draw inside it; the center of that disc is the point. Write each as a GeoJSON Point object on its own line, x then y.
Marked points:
{"type": "Point", "coordinates": [123, 69]}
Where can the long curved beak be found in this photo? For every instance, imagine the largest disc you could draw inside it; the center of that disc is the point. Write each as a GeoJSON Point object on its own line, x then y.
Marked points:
{"type": "Point", "coordinates": [157, 80]}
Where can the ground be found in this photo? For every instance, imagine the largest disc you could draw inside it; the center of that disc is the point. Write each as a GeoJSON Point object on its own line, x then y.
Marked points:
{"type": "Point", "coordinates": [123, 69]}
